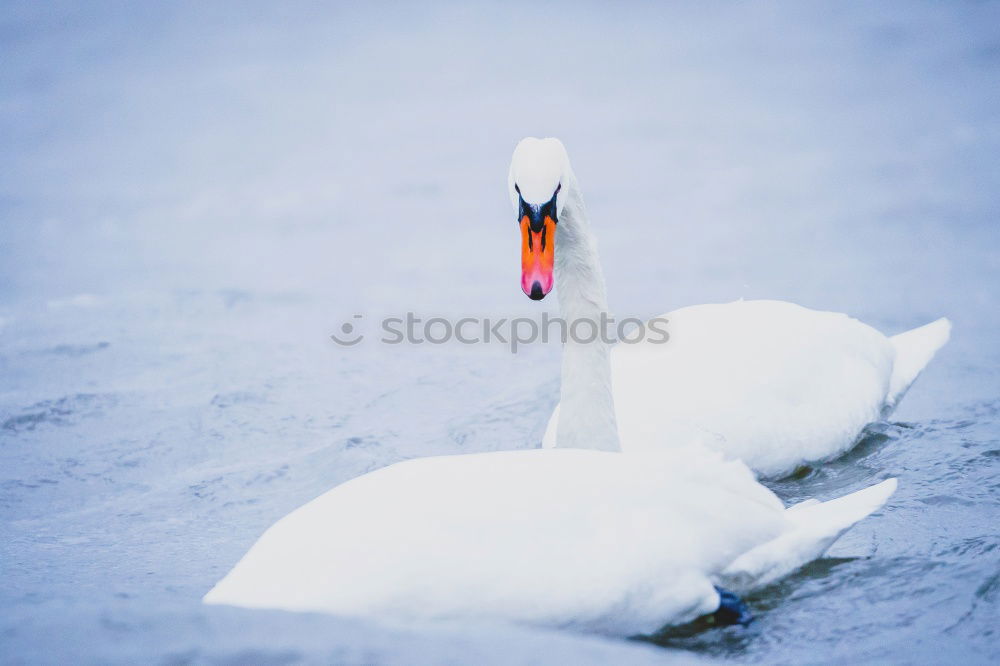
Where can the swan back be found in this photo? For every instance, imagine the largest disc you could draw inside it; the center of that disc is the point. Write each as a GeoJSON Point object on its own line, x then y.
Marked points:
{"type": "Point", "coordinates": [771, 383]}
{"type": "Point", "coordinates": [582, 539]}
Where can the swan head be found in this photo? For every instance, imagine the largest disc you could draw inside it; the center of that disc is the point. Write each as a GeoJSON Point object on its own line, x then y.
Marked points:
{"type": "Point", "coordinates": [538, 171]}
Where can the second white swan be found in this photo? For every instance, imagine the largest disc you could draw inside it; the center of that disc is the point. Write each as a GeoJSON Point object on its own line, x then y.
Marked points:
{"type": "Point", "coordinates": [773, 384]}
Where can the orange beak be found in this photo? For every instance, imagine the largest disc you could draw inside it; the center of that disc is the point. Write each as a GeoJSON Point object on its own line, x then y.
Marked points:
{"type": "Point", "coordinates": [538, 251]}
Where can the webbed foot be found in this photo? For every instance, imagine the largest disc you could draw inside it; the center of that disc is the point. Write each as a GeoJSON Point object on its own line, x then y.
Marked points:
{"type": "Point", "coordinates": [732, 609]}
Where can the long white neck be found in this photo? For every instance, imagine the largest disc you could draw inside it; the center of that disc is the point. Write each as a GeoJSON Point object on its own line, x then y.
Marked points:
{"type": "Point", "coordinates": [587, 409]}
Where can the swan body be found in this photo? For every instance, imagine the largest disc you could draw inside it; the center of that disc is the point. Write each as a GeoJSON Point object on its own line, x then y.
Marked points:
{"type": "Point", "coordinates": [567, 538]}
{"type": "Point", "coordinates": [773, 384]}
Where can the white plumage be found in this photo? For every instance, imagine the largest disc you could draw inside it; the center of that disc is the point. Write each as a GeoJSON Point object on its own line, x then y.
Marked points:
{"type": "Point", "coordinates": [585, 540]}
{"type": "Point", "coordinates": [773, 384]}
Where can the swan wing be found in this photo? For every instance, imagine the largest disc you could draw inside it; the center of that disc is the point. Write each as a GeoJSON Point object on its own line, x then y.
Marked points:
{"type": "Point", "coordinates": [812, 529]}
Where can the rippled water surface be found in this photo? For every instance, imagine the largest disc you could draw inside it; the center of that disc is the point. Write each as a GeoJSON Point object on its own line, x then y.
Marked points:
{"type": "Point", "coordinates": [193, 198]}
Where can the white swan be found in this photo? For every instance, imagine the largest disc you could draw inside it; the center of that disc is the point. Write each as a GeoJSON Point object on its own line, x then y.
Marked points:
{"type": "Point", "coordinates": [568, 538]}
{"type": "Point", "coordinates": [773, 384]}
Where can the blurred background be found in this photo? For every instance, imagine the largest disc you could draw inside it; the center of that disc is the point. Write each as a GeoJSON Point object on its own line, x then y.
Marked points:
{"type": "Point", "coordinates": [194, 196]}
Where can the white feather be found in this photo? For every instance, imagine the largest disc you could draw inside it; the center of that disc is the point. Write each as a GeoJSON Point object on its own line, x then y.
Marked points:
{"type": "Point", "coordinates": [586, 540]}
{"type": "Point", "coordinates": [774, 384]}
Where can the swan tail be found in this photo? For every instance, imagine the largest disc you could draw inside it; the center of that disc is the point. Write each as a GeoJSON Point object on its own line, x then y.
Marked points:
{"type": "Point", "coordinates": [812, 529]}
{"type": "Point", "coordinates": [549, 438]}
{"type": "Point", "coordinates": [914, 350]}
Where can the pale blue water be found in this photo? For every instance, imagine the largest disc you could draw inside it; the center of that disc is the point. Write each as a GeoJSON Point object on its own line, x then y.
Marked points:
{"type": "Point", "coordinates": [192, 199]}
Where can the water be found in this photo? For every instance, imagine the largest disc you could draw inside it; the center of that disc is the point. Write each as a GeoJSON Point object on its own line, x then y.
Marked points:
{"type": "Point", "coordinates": [193, 198]}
